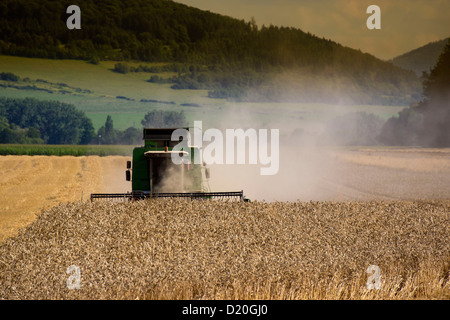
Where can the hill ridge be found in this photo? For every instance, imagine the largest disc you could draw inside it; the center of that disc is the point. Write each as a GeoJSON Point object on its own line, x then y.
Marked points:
{"type": "Point", "coordinates": [421, 59]}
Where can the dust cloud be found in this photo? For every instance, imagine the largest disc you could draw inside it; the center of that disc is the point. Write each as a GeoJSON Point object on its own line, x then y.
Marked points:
{"type": "Point", "coordinates": [112, 174]}
{"type": "Point", "coordinates": [313, 167]}
{"type": "Point", "coordinates": [172, 180]}
{"type": "Point", "coordinates": [303, 163]}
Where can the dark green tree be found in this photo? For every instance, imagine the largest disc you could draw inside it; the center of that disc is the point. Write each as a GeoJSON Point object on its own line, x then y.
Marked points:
{"type": "Point", "coordinates": [110, 134]}
{"type": "Point", "coordinates": [87, 134]}
{"type": "Point", "coordinates": [7, 135]}
{"type": "Point", "coordinates": [100, 134]}
{"type": "Point", "coordinates": [122, 67]}
{"type": "Point", "coordinates": [8, 76]}
{"type": "Point", "coordinates": [56, 122]}
{"type": "Point", "coordinates": [437, 83]}
{"type": "Point", "coordinates": [436, 106]}
{"type": "Point", "coordinates": [131, 136]}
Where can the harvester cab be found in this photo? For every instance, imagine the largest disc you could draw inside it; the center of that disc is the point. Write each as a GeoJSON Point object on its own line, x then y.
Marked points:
{"type": "Point", "coordinates": [153, 173]}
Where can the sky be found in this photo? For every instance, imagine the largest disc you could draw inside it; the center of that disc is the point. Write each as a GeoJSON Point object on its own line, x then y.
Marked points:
{"type": "Point", "coordinates": [405, 24]}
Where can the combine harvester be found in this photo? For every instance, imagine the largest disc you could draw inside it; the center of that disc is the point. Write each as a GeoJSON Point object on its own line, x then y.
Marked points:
{"type": "Point", "coordinates": [153, 174]}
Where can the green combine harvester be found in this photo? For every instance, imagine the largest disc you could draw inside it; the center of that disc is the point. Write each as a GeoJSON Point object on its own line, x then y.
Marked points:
{"type": "Point", "coordinates": [153, 174]}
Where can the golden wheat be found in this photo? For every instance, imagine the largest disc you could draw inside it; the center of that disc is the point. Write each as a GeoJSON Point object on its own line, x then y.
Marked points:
{"type": "Point", "coordinates": [30, 183]}
{"type": "Point", "coordinates": [181, 249]}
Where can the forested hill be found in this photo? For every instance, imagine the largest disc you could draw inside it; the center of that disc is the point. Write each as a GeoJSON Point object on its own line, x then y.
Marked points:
{"type": "Point", "coordinates": [421, 59]}
{"type": "Point", "coordinates": [250, 58]}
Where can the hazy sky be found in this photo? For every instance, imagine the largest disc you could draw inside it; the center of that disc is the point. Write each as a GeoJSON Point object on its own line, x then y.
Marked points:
{"type": "Point", "coordinates": [405, 24]}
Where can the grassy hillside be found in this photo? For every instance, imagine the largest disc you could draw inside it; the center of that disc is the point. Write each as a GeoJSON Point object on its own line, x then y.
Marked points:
{"type": "Point", "coordinates": [83, 85]}
{"type": "Point", "coordinates": [421, 59]}
{"type": "Point", "coordinates": [229, 58]}
{"type": "Point", "coordinates": [88, 79]}
{"type": "Point", "coordinates": [92, 88]}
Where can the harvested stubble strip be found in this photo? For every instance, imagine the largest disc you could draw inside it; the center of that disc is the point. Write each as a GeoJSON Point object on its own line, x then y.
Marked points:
{"type": "Point", "coordinates": [182, 249]}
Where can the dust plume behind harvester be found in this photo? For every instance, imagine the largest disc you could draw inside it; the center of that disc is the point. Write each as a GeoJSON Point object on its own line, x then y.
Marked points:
{"type": "Point", "coordinates": [153, 174]}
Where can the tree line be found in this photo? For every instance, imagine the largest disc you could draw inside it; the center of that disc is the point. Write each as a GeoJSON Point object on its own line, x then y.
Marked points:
{"type": "Point", "coordinates": [107, 134]}
{"type": "Point", "coordinates": [31, 121]}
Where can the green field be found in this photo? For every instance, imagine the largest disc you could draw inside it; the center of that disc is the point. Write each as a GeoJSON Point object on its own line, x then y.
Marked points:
{"type": "Point", "coordinates": [94, 90]}
{"type": "Point", "coordinates": [65, 150]}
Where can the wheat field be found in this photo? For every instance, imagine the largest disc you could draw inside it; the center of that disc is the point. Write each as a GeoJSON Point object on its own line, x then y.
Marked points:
{"type": "Point", "coordinates": [182, 249]}
{"type": "Point", "coordinates": [391, 216]}
{"type": "Point", "coordinates": [29, 184]}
